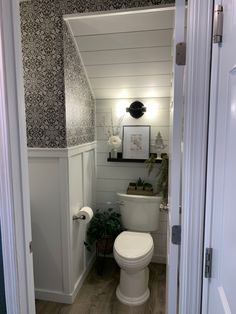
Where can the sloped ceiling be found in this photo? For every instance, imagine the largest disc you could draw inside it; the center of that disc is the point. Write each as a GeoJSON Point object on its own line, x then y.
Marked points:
{"type": "Point", "coordinates": [126, 55]}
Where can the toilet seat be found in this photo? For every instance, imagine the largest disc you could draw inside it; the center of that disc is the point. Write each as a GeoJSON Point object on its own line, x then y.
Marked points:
{"type": "Point", "coordinates": [133, 245]}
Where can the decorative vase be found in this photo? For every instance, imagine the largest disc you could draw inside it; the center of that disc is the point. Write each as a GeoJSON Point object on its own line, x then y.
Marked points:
{"type": "Point", "coordinates": [114, 153]}
{"type": "Point", "coordinates": [114, 142]}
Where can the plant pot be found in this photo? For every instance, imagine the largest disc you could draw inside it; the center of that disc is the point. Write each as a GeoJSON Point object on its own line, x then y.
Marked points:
{"type": "Point", "coordinates": [132, 187]}
{"type": "Point", "coordinates": [140, 188]}
{"type": "Point", "coordinates": [105, 245]}
{"type": "Point", "coordinates": [148, 188]}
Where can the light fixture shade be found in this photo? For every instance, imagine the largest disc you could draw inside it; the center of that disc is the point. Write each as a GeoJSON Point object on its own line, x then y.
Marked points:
{"type": "Point", "coordinates": [136, 109]}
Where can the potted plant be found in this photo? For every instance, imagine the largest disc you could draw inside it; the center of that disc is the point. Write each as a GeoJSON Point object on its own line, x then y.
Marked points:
{"type": "Point", "coordinates": [140, 184]}
{"type": "Point", "coordinates": [147, 187]}
{"type": "Point", "coordinates": [162, 174]}
{"type": "Point", "coordinates": [103, 229]}
{"type": "Point", "coordinates": [132, 186]}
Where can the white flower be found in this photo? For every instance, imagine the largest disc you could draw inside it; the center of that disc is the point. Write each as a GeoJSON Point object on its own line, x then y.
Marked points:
{"type": "Point", "coordinates": [114, 141]}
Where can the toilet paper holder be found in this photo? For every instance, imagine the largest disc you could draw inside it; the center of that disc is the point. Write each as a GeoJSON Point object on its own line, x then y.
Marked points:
{"type": "Point", "coordinates": [82, 217]}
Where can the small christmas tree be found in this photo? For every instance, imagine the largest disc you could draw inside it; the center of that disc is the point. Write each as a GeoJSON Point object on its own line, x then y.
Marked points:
{"type": "Point", "coordinates": [159, 144]}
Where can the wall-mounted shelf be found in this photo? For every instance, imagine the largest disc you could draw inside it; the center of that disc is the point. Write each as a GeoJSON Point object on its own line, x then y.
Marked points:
{"type": "Point", "coordinates": [121, 159]}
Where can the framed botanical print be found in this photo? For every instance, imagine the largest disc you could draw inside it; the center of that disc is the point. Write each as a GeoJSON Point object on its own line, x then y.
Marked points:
{"type": "Point", "coordinates": [136, 141]}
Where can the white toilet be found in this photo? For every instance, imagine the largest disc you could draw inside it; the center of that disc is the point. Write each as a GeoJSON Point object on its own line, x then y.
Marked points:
{"type": "Point", "coordinates": [133, 249]}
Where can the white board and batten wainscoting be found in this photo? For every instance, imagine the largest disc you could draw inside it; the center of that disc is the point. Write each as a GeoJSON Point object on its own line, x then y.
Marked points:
{"type": "Point", "coordinates": [61, 182]}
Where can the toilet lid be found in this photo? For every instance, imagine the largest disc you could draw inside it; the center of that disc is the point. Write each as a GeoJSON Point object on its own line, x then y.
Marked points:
{"type": "Point", "coordinates": [133, 244]}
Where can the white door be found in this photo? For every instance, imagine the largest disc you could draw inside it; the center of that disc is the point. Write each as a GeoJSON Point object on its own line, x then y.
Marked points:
{"type": "Point", "coordinates": [175, 163]}
{"type": "Point", "coordinates": [219, 292]}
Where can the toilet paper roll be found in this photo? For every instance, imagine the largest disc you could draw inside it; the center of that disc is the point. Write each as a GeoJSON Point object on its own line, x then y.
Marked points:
{"type": "Point", "coordinates": [85, 215]}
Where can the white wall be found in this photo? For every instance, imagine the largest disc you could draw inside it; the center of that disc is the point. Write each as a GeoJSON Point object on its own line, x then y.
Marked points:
{"type": "Point", "coordinates": [82, 193]}
{"type": "Point", "coordinates": [114, 177]}
{"type": "Point", "coordinates": [46, 226]}
{"type": "Point", "coordinates": [61, 182]}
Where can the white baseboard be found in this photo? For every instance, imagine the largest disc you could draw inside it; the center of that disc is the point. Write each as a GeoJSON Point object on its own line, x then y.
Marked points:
{"type": "Point", "coordinates": [60, 297]}
{"type": "Point", "coordinates": [160, 259]}
{"type": "Point", "coordinates": [53, 296]}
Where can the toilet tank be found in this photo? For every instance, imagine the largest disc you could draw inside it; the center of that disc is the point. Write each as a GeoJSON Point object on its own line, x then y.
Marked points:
{"type": "Point", "coordinates": [139, 212]}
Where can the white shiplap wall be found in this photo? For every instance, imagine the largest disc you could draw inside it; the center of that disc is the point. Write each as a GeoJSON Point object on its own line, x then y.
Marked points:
{"type": "Point", "coordinates": [114, 177]}
{"type": "Point", "coordinates": [126, 54]}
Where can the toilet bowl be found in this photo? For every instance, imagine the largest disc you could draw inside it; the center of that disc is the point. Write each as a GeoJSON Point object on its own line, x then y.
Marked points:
{"type": "Point", "coordinates": [133, 249]}
{"type": "Point", "coordinates": [133, 252]}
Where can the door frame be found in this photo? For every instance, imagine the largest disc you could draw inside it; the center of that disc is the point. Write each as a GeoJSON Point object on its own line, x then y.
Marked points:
{"type": "Point", "coordinates": [195, 138]}
{"type": "Point", "coordinates": [211, 161]}
{"type": "Point", "coordinates": [14, 185]}
{"type": "Point", "coordinates": [175, 160]}
{"type": "Point", "coordinates": [18, 268]}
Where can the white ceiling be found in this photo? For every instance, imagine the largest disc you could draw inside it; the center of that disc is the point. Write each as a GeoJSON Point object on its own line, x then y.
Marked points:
{"type": "Point", "coordinates": [126, 55]}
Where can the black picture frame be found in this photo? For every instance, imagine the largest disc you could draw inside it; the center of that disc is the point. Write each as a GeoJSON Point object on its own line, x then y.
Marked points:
{"type": "Point", "coordinates": [136, 141]}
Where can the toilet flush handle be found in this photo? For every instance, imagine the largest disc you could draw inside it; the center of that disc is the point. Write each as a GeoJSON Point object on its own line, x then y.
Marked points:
{"type": "Point", "coordinates": [164, 207]}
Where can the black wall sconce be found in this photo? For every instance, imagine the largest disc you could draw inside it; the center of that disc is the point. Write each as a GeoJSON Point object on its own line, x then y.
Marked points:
{"type": "Point", "coordinates": [136, 109]}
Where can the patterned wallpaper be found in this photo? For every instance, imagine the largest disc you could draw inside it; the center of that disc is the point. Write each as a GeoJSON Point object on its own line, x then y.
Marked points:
{"type": "Point", "coordinates": [48, 119]}
{"type": "Point", "coordinates": [79, 101]}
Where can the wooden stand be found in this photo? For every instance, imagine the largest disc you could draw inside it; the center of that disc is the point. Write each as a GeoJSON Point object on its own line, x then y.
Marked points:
{"type": "Point", "coordinates": [140, 192]}
{"type": "Point", "coordinates": [104, 247]}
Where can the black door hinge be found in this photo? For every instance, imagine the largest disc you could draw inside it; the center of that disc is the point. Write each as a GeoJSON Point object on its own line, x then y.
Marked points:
{"type": "Point", "coordinates": [176, 234]}
{"type": "Point", "coordinates": [180, 58]}
{"type": "Point", "coordinates": [208, 262]}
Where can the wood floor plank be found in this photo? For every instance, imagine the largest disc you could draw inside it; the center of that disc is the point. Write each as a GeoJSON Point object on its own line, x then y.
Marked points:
{"type": "Point", "coordinates": [98, 294]}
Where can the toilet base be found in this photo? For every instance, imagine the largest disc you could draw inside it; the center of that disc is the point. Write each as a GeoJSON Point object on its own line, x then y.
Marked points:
{"type": "Point", "coordinates": [133, 288]}
{"type": "Point", "coordinates": [132, 301]}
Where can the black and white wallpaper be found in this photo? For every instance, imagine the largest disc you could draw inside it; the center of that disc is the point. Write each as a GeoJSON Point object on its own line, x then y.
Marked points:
{"type": "Point", "coordinates": [51, 117]}
{"type": "Point", "coordinates": [79, 101]}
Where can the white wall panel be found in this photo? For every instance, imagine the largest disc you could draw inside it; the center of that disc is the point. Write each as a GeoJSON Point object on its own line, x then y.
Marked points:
{"type": "Point", "coordinates": [59, 187]}
{"type": "Point", "coordinates": [119, 56]}
{"type": "Point", "coordinates": [132, 81]}
{"type": "Point", "coordinates": [89, 176]}
{"type": "Point", "coordinates": [76, 183]}
{"type": "Point", "coordinates": [132, 69]}
{"type": "Point", "coordinates": [111, 185]}
{"type": "Point", "coordinates": [76, 202]}
{"type": "Point", "coordinates": [131, 92]}
{"type": "Point", "coordinates": [132, 47]}
{"type": "Point", "coordinates": [138, 39]}
{"type": "Point", "coordinates": [109, 172]}
{"type": "Point", "coordinates": [45, 215]}
{"type": "Point", "coordinates": [119, 23]}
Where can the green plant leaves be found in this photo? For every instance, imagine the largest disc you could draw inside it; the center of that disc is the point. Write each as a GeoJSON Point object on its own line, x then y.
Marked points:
{"type": "Point", "coordinates": [162, 174]}
{"type": "Point", "coordinates": [103, 223]}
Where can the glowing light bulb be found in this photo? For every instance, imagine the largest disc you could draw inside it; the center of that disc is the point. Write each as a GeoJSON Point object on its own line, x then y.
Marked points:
{"type": "Point", "coordinates": [120, 107]}
{"type": "Point", "coordinates": [152, 110]}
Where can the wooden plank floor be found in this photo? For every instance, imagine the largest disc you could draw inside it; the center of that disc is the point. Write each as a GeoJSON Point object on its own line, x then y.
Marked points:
{"type": "Point", "coordinates": [97, 295]}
